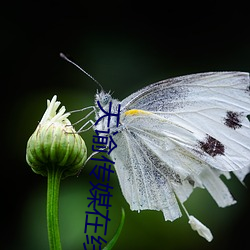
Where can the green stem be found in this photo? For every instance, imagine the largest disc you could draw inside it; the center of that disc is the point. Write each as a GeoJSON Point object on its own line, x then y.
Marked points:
{"type": "Point", "coordinates": [54, 177]}
{"type": "Point", "coordinates": [117, 234]}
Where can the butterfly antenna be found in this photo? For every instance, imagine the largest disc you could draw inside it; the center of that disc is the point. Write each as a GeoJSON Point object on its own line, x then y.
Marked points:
{"type": "Point", "coordinates": [90, 76]}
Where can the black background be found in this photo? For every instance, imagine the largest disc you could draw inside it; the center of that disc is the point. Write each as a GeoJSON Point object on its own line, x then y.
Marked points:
{"type": "Point", "coordinates": [124, 45]}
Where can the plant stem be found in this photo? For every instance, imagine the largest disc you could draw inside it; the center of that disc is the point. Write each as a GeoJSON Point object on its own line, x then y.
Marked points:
{"type": "Point", "coordinates": [117, 234]}
{"type": "Point", "coordinates": [54, 177]}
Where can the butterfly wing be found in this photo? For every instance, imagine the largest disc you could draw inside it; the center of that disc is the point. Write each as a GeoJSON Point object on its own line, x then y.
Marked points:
{"type": "Point", "coordinates": [213, 106]}
{"type": "Point", "coordinates": [153, 169]}
{"type": "Point", "coordinates": [179, 134]}
{"type": "Point", "coordinates": [137, 177]}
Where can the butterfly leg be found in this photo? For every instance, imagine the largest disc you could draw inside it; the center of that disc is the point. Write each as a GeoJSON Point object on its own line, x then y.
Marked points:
{"type": "Point", "coordinates": [94, 153]}
{"type": "Point", "coordinates": [82, 128]}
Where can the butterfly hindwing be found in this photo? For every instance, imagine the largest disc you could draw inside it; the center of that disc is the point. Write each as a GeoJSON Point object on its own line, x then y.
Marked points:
{"type": "Point", "coordinates": [141, 183]}
{"type": "Point", "coordinates": [156, 166]}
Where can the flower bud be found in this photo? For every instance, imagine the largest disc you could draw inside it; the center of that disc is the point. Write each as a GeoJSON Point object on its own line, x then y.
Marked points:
{"type": "Point", "coordinates": [55, 144]}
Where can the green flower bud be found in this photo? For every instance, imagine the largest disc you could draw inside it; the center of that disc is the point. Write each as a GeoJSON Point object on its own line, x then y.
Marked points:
{"type": "Point", "coordinates": [55, 144]}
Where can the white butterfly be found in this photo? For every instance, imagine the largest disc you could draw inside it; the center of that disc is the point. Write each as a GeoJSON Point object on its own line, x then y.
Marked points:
{"type": "Point", "coordinates": [178, 134]}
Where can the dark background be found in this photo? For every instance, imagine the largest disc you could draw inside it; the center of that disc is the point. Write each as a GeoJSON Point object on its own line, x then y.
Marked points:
{"type": "Point", "coordinates": [125, 45]}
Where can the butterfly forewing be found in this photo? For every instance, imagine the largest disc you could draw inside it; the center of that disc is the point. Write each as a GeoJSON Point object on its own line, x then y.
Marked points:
{"type": "Point", "coordinates": [213, 106]}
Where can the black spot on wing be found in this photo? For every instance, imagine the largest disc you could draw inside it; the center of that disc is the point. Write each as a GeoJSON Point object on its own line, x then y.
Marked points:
{"type": "Point", "coordinates": [190, 181]}
{"type": "Point", "coordinates": [233, 119]}
{"type": "Point", "coordinates": [212, 146]}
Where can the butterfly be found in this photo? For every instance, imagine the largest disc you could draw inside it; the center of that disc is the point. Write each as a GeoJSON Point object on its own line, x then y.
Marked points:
{"type": "Point", "coordinates": [179, 134]}
{"type": "Point", "coordinates": [176, 135]}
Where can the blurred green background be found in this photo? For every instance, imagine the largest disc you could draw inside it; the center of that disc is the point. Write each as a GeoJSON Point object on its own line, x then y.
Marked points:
{"type": "Point", "coordinates": [125, 47]}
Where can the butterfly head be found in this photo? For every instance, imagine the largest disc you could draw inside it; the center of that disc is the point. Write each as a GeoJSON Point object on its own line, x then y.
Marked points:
{"type": "Point", "coordinates": [103, 98]}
